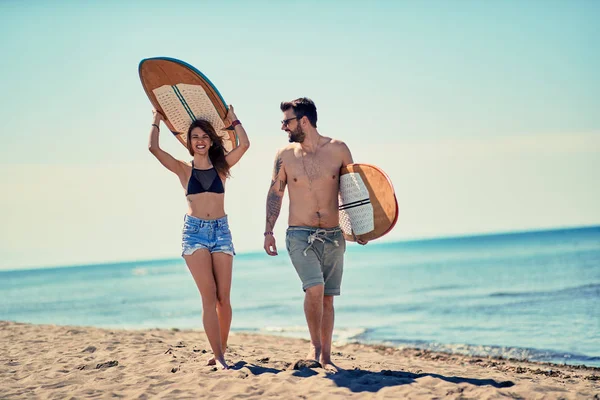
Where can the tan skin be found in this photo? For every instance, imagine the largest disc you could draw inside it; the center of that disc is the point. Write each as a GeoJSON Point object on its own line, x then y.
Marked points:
{"type": "Point", "coordinates": [311, 171]}
{"type": "Point", "coordinates": [211, 272]}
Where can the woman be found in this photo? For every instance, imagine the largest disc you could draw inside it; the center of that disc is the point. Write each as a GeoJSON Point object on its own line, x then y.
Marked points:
{"type": "Point", "coordinates": [207, 245]}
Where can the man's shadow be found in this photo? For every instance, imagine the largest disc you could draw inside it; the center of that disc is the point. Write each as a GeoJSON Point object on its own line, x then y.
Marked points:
{"type": "Point", "coordinates": [358, 380]}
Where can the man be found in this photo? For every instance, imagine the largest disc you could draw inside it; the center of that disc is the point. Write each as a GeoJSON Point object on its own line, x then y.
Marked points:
{"type": "Point", "coordinates": [310, 167]}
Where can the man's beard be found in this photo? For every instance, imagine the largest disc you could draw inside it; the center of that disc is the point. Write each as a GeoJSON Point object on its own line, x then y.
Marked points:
{"type": "Point", "coordinates": [297, 135]}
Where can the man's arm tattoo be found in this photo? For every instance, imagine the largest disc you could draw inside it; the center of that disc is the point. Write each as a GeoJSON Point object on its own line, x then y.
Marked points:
{"type": "Point", "coordinates": [276, 170]}
{"type": "Point", "coordinates": [273, 209]}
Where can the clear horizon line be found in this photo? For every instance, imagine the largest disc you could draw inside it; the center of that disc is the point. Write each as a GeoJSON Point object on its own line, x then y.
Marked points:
{"type": "Point", "coordinates": [253, 252]}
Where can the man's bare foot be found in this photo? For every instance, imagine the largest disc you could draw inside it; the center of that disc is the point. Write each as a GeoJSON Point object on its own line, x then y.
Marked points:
{"type": "Point", "coordinates": [223, 364]}
{"type": "Point", "coordinates": [213, 361]}
{"type": "Point", "coordinates": [314, 353]}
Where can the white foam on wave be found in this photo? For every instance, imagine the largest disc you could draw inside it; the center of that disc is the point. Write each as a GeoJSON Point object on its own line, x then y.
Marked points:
{"type": "Point", "coordinates": [139, 271]}
{"type": "Point", "coordinates": [341, 335]}
{"type": "Point", "coordinates": [505, 352]}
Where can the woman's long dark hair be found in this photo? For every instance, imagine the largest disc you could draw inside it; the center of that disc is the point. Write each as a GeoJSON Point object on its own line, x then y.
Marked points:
{"type": "Point", "coordinates": [216, 152]}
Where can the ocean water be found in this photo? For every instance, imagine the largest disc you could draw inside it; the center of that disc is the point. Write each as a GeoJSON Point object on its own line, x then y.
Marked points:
{"type": "Point", "coordinates": [532, 295]}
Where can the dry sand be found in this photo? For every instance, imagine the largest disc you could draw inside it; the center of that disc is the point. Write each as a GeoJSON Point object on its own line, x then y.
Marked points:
{"type": "Point", "coordinates": [61, 362]}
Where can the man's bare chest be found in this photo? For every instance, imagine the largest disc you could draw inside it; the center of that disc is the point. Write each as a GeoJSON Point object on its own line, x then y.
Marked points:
{"type": "Point", "coordinates": [312, 168]}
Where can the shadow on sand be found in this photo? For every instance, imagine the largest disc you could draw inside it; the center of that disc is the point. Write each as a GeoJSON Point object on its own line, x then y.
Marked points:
{"type": "Point", "coordinates": [254, 369]}
{"type": "Point", "coordinates": [359, 380]}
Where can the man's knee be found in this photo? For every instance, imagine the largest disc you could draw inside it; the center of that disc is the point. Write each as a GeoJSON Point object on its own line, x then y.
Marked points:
{"type": "Point", "coordinates": [315, 292]}
{"type": "Point", "coordinates": [328, 302]}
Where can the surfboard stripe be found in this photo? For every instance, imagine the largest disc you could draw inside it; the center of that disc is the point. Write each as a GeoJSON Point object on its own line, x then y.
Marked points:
{"type": "Point", "coordinates": [344, 208]}
{"type": "Point", "coordinates": [183, 102]}
{"type": "Point", "coordinates": [355, 204]}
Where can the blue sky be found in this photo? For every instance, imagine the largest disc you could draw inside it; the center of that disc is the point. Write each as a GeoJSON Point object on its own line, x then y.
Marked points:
{"type": "Point", "coordinates": [486, 115]}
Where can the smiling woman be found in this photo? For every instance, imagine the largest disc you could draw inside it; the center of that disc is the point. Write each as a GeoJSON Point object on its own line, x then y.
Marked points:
{"type": "Point", "coordinates": [206, 239]}
{"type": "Point", "coordinates": [202, 138]}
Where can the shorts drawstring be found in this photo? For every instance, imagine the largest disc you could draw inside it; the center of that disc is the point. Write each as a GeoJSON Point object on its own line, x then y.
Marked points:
{"type": "Point", "coordinates": [320, 235]}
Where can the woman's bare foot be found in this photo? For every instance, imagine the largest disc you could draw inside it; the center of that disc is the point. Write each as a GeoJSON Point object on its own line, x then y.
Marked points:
{"type": "Point", "coordinates": [314, 353]}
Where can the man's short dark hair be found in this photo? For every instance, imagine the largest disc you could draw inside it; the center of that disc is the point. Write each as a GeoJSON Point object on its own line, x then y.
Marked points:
{"type": "Point", "coordinates": [302, 107]}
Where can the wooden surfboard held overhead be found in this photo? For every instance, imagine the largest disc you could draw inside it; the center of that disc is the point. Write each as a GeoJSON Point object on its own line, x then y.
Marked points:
{"type": "Point", "coordinates": [368, 205]}
{"type": "Point", "coordinates": [183, 94]}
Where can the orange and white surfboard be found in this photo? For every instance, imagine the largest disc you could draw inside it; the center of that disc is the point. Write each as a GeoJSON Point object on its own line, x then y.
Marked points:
{"type": "Point", "coordinates": [367, 202]}
{"type": "Point", "coordinates": [183, 94]}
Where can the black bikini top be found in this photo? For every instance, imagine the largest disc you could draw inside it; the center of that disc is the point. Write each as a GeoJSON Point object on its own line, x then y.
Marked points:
{"type": "Point", "coordinates": [205, 180]}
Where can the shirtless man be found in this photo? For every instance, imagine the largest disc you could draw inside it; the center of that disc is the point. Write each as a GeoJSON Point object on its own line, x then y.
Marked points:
{"type": "Point", "coordinates": [310, 166]}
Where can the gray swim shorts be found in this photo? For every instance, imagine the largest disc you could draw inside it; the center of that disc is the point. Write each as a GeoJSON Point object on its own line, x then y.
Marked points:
{"type": "Point", "coordinates": [318, 256]}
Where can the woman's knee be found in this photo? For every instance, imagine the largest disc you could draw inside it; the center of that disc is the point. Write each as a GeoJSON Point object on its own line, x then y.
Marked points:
{"type": "Point", "coordinates": [209, 300]}
{"type": "Point", "coordinates": [223, 301]}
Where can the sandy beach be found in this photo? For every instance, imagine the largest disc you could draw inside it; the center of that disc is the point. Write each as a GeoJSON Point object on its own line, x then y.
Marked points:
{"type": "Point", "coordinates": [63, 362]}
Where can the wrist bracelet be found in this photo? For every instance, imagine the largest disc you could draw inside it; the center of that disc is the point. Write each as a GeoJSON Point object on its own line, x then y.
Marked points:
{"type": "Point", "coordinates": [268, 233]}
{"type": "Point", "coordinates": [236, 122]}
{"type": "Point", "coordinates": [157, 127]}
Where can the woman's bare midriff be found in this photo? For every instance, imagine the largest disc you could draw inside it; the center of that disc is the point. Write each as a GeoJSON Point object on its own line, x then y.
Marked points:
{"type": "Point", "coordinates": [206, 205]}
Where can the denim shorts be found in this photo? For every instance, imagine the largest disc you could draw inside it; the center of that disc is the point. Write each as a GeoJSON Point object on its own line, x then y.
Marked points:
{"type": "Point", "coordinates": [213, 235]}
{"type": "Point", "coordinates": [318, 256]}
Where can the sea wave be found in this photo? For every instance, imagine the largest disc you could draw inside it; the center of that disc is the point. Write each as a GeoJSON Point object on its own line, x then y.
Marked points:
{"type": "Point", "coordinates": [583, 289]}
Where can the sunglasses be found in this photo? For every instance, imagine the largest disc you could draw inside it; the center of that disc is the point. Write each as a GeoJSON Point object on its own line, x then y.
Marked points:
{"type": "Point", "coordinates": [286, 122]}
